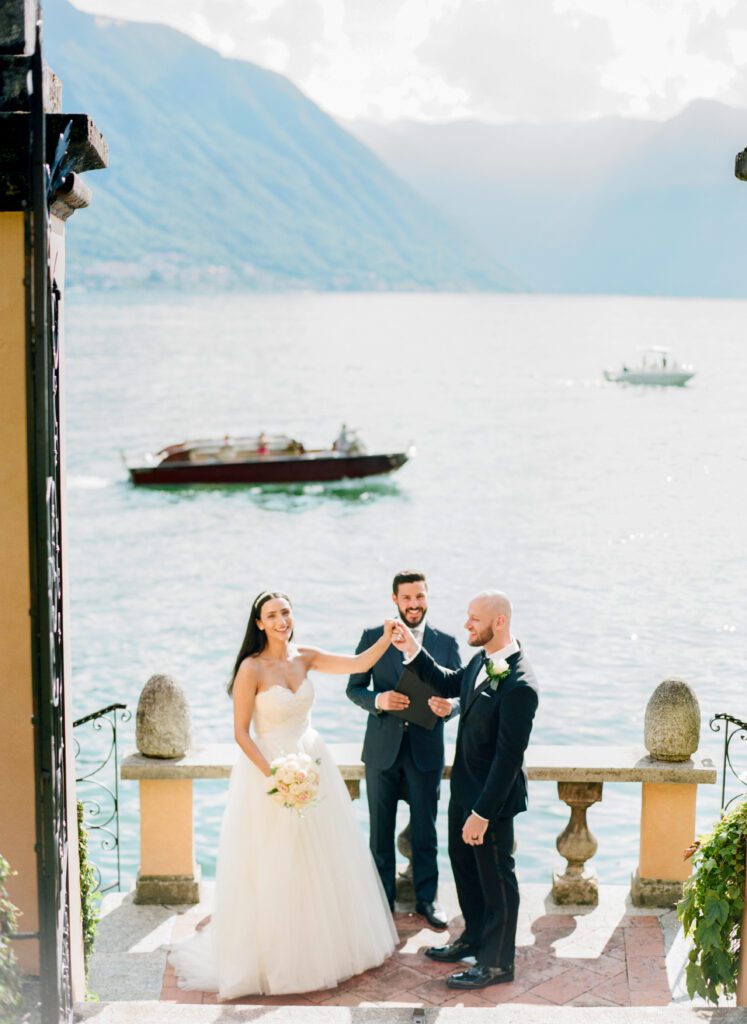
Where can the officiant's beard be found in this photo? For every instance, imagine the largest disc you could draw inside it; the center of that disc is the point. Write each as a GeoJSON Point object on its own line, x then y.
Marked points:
{"type": "Point", "coordinates": [413, 617]}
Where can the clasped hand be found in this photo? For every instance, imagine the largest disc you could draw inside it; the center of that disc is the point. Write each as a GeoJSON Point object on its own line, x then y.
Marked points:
{"type": "Point", "coordinates": [404, 641]}
{"type": "Point", "coordinates": [401, 637]}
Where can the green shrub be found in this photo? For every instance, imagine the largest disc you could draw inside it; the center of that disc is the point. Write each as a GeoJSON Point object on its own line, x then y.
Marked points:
{"type": "Point", "coordinates": [89, 898]}
{"type": "Point", "coordinates": [10, 979]}
{"type": "Point", "coordinates": [711, 908]}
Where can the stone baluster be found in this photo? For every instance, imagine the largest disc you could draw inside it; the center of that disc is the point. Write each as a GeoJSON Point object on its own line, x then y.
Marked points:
{"type": "Point", "coordinates": [405, 885]}
{"type": "Point", "coordinates": [578, 884]}
{"type": "Point", "coordinates": [168, 873]}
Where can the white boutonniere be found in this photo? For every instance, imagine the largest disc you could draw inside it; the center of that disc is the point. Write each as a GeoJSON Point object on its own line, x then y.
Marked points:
{"type": "Point", "coordinates": [497, 672]}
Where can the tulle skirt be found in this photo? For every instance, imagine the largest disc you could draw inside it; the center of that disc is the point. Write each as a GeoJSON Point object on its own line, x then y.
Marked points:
{"type": "Point", "coordinates": [299, 905]}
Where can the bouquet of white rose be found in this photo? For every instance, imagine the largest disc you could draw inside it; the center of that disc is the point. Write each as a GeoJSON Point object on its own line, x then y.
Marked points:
{"type": "Point", "coordinates": [294, 781]}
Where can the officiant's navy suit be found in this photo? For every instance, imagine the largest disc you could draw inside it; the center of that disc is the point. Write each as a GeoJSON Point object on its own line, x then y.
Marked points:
{"type": "Point", "coordinates": [397, 752]}
{"type": "Point", "coordinates": [394, 752]}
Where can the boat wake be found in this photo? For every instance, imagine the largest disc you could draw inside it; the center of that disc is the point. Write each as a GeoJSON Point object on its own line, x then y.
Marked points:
{"type": "Point", "coordinates": [88, 483]}
{"type": "Point", "coordinates": [293, 496]}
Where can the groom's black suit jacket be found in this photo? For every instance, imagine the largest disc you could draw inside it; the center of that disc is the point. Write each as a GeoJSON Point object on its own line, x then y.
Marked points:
{"type": "Point", "coordinates": [488, 775]}
{"type": "Point", "coordinates": [384, 731]}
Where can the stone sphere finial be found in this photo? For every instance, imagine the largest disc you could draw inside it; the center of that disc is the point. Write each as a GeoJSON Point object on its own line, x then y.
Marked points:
{"type": "Point", "coordinates": [164, 725]}
{"type": "Point", "coordinates": [671, 730]}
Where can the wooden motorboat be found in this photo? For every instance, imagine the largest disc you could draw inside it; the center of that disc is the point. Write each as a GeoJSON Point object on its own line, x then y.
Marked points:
{"type": "Point", "coordinates": [275, 459]}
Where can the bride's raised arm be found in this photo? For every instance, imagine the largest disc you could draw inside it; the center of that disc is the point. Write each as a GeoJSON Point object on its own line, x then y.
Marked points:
{"type": "Point", "coordinates": [342, 664]}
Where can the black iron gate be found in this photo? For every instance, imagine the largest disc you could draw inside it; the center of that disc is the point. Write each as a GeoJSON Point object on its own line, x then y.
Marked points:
{"type": "Point", "coordinates": [46, 570]}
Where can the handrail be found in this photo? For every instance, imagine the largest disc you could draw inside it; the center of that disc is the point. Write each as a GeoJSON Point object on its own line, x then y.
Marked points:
{"type": "Point", "coordinates": [99, 713]}
{"type": "Point", "coordinates": [732, 727]}
{"type": "Point", "coordinates": [93, 805]}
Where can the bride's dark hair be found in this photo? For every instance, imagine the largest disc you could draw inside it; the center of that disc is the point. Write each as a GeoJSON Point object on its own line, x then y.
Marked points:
{"type": "Point", "coordinates": [255, 639]}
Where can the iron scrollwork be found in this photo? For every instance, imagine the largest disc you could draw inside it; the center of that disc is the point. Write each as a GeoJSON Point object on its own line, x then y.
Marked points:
{"type": "Point", "coordinates": [101, 799]}
{"type": "Point", "coordinates": [732, 728]}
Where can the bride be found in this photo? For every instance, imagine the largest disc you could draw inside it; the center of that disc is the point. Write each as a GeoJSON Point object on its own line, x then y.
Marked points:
{"type": "Point", "coordinates": [298, 901]}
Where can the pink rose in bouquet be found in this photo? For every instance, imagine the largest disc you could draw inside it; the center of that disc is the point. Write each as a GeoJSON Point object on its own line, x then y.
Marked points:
{"type": "Point", "coordinates": [294, 781]}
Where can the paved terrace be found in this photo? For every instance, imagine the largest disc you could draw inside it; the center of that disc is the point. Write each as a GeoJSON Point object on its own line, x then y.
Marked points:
{"type": "Point", "coordinates": [612, 962]}
{"type": "Point", "coordinates": [612, 955]}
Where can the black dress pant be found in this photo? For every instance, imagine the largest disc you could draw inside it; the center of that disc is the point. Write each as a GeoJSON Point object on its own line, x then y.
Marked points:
{"type": "Point", "coordinates": [384, 788]}
{"type": "Point", "coordinates": [486, 886]}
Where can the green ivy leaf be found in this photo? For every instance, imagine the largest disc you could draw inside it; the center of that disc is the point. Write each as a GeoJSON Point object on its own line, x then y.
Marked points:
{"type": "Point", "coordinates": [711, 907]}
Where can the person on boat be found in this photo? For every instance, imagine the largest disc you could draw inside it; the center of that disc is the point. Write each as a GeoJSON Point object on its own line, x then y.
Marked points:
{"type": "Point", "coordinates": [262, 444]}
{"type": "Point", "coordinates": [342, 442]}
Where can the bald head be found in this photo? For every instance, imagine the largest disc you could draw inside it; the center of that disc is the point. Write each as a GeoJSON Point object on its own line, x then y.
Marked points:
{"type": "Point", "coordinates": [488, 622]}
{"type": "Point", "coordinates": [496, 603]}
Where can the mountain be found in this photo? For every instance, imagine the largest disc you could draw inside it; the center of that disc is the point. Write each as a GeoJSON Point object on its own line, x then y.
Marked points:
{"type": "Point", "coordinates": [615, 206]}
{"type": "Point", "coordinates": [223, 172]}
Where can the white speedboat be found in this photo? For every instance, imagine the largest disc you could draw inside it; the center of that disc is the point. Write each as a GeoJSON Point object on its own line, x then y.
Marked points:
{"type": "Point", "coordinates": [656, 368]}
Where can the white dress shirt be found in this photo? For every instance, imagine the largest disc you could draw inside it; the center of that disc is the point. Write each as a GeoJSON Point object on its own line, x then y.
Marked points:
{"type": "Point", "coordinates": [501, 655]}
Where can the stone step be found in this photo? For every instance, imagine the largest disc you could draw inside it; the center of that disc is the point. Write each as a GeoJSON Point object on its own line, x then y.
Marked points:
{"type": "Point", "coordinates": [171, 1013]}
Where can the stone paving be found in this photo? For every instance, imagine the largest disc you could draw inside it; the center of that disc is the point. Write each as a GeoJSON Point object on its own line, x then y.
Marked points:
{"type": "Point", "coordinates": [612, 964]}
{"type": "Point", "coordinates": [613, 955]}
{"type": "Point", "coordinates": [629, 970]}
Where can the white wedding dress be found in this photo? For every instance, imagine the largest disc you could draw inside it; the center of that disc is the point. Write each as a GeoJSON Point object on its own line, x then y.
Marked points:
{"type": "Point", "coordinates": [298, 901]}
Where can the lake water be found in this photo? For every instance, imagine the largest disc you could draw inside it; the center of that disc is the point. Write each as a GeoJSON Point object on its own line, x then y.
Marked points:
{"type": "Point", "coordinates": [612, 516]}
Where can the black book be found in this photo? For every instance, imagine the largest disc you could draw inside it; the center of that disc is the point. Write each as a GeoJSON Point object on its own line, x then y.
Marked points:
{"type": "Point", "coordinates": [418, 712]}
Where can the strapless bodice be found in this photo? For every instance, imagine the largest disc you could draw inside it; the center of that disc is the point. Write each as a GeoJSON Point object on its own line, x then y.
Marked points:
{"type": "Point", "coordinates": [280, 710]}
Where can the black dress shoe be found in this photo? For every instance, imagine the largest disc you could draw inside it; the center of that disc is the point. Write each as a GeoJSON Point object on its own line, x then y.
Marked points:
{"type": "Point", "coordinates": [452, 953]}
{"type": "Point", "coordinates": [481, 977]}
{"type": "Point", "coordinates": [433, 914]}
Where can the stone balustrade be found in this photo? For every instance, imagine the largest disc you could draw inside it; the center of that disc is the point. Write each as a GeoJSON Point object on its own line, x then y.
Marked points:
{"type": "Point", "coordinates": [167, 868]}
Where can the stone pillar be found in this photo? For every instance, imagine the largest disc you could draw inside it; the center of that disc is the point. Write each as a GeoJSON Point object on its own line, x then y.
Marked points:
{"type": "Point", "coordinates": [168, 873]}
{"type": "Point", "coordinates": [667, 829]}
{"type": "Point", "coordinates": [578, 884]}
{"type": "Point", "coordinates": [671, 734]}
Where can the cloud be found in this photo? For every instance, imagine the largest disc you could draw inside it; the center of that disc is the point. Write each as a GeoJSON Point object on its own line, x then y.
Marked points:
{"type": "Point", "coordinates": [496, 60]}
{"type": "Point", "coordinates": [522, 60]}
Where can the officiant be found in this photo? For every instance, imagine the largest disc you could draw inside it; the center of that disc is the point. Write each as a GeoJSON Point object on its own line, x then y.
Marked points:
{"type": "Point", "coordinates": [399, 754]}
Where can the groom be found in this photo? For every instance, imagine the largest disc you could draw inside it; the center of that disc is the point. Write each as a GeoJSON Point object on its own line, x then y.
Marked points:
{"type": "Point", "coordinates": [499, 699]}
{"type": "Point", "coordinates": [396, 752]}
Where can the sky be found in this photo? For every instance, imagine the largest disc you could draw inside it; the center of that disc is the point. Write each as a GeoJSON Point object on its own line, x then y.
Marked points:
{"type": "Point", "coordinates": [493, 60]}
